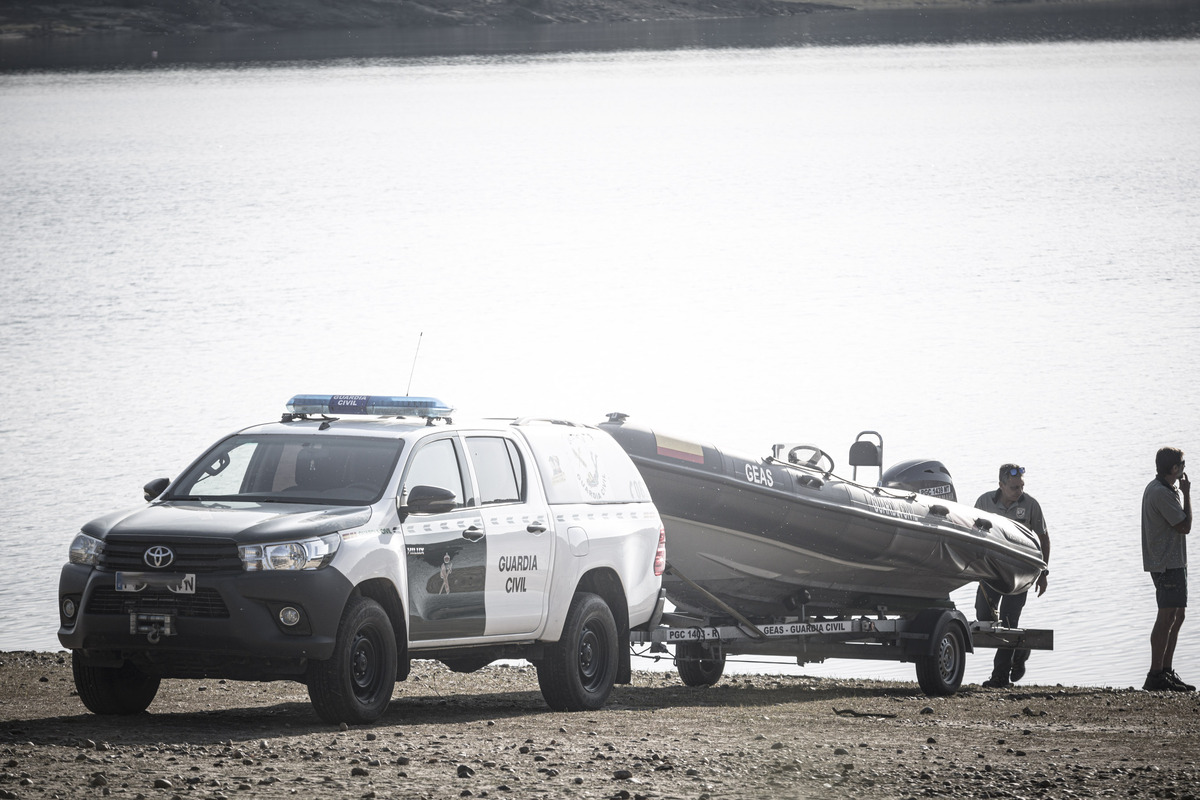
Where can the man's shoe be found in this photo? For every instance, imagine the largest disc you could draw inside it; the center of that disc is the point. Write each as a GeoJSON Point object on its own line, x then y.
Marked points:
{"type": "Point", "coordinates": [996, 683]}
{"type": "Point", "coordinates": [1018, 672]}
{"type": "Point", "coordinates": [1160, 682]}
{"type": "Point", "coordinates": [1180, 686]}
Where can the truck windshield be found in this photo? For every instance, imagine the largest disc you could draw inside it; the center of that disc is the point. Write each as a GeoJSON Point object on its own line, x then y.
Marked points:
{"type": "Point", "coordinates": [332, 470]}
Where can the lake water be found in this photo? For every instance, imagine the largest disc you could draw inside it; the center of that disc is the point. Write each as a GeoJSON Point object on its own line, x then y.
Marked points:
{"type": "Point", "coordinates": [986, 251]}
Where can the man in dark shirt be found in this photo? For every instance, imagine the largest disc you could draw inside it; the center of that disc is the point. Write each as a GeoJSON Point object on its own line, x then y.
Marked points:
{"type": "Point", "coordinates": [1011, 501]}
{"type": "Point", "coordinates": [1166, 522]}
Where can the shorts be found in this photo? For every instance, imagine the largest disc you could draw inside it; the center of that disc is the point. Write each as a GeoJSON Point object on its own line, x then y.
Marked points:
{"type": "Point", "coordinates": [1171, 587]}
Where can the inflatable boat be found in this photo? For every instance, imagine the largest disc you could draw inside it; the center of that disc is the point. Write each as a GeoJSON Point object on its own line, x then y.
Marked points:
{"type": "Point", "coordinates": [769, 536]}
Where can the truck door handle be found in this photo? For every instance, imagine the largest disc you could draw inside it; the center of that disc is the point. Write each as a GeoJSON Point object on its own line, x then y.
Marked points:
{"type": "Point", "coordinates": [472, 534]}
{"type": "Point", "coordinates": [536, 527]}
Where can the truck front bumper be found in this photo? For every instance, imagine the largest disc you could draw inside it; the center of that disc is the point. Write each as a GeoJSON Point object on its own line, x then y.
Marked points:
{"type": "Point", "coordinates": [255, 625]}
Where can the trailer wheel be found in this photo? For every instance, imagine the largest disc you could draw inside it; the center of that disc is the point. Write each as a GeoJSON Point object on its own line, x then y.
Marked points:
{"type": "Point", "coordinates": [356, 684]}
{"type": "Point", "coordinates": [698, 667]}
{"type": "Point", "coordinates": [578, 671]}
{"type": "Point", "coordinates": [120, 690]}
{"type": "Point", "coordinates": [941, 673]}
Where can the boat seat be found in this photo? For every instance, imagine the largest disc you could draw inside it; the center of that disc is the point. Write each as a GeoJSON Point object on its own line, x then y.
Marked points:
{"type": "Point", "coordinates": [865, 454]}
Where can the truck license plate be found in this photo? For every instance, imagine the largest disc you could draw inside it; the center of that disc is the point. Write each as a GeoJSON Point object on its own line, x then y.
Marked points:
{"type": "Point", "coordinates": [174, 582]}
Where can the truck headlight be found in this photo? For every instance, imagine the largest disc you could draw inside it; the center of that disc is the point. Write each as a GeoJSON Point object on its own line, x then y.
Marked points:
{"type": "Point", "coordinates": [86, 550]}
{"type": "Point", "coordinates": [305, 554]}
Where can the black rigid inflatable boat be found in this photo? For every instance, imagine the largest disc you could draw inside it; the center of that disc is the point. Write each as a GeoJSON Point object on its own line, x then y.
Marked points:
{"type": "Point", "coordinates": [768, 536]}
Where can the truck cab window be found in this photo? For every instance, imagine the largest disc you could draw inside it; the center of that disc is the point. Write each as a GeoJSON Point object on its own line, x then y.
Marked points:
{"type": "Point", "coordinates": [436, 464]}
{"type": "Point", "coordinates": [498, 468]}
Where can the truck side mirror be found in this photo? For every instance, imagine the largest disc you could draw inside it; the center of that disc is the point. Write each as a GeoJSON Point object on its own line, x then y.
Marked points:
{"type": "Point", "coordinates": [155, 487]}
{"type": "Point", "coordinates": [428, 500]}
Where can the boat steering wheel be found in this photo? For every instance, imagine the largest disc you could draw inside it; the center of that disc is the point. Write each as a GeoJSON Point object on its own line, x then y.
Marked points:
{"type": "Point", "coordinates": [815, 457]}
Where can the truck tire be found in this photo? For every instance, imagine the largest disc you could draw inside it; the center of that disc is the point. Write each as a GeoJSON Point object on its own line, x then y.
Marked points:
{"type": "Point", "coordinates": [578, 671]}
{"type": "Point", "coordinates": [355, 685]}
{"type": "Point", "coordinates": [941, 672]}
{"type": "Point", "coordinates": [698, 667]}
{"type": "Point", "coordinates": [113, 690]}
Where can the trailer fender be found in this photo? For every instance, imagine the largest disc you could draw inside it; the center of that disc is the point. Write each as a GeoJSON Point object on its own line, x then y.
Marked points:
{"type": "Point", "coordinates": [926, 629]}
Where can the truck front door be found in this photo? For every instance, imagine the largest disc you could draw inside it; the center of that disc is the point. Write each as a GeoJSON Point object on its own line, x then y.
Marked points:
{"type": "Point", "coordinates": [446, 552]}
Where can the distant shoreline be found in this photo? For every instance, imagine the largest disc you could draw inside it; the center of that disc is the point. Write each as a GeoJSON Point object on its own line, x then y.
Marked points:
{"type": "Point", "coordinates": [80, 18]}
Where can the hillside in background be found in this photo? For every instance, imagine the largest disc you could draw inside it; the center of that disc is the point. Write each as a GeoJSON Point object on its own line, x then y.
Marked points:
{"type": "Point", "coordinates": [81, 17]}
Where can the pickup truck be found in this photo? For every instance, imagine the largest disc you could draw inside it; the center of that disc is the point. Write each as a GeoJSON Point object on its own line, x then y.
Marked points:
{"type": "Point", "coordinates": [358, 533]}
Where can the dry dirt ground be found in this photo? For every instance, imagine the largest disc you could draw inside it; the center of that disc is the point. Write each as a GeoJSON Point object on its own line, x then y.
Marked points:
{"type": "Point", "coordinates": [489, 734]}
{"type": "Point", "coordinates": [20, 18]}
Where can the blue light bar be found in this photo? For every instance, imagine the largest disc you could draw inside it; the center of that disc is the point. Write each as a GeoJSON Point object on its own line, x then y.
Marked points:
{"type": "Point", "coordinates": [373, 405]}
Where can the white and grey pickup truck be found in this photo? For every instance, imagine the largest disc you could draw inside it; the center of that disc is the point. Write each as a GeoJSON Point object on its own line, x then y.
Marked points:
{"type": "Point", "coordinates": [360, 532]}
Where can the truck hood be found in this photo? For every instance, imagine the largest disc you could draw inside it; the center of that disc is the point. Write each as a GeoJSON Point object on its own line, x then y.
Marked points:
{"type": "Point", "coordinates": [244, 522]}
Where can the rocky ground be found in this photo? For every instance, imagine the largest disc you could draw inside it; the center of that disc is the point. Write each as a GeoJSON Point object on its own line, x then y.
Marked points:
{"type": "Point", "coordinates": [20, 18]}
{"type": "Point", "coordinates": [489, 734]}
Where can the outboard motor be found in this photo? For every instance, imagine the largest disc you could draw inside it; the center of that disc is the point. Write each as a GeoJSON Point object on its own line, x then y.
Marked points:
{"type": "Point", "coordinates": [922, 476]}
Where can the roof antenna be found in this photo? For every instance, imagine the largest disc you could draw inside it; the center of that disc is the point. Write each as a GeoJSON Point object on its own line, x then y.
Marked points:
{"type": "Point", "coordinates": [408, 391]}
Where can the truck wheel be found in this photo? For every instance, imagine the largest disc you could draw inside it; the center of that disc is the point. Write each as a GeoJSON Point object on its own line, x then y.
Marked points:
{"type": "Point", "coordinates": [356, 684]}
{"type": "Point", "coordinates": [578, 671]}
{"type": "Point", "coordinates": [941, 673]}
{"type": "Point", "coordinates": [698, 667]}
{"type": "Point", "coordinates": [113, 690]}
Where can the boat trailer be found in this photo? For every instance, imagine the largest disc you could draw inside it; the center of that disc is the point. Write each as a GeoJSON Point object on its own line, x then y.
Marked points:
{"type": "Point", "coordinates": [936, 640]}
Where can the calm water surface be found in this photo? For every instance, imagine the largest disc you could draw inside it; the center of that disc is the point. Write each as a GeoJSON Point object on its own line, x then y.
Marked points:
{"type": "Point", "coordinates": [987, 252]}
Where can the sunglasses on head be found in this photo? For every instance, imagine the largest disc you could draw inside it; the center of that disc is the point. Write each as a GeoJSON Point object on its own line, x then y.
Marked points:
{"type": "Point", "coordinates": [1014, 471]}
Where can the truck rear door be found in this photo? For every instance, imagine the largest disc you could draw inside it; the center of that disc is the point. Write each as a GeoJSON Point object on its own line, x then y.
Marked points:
{"type": "Point", "coordinates": [520, 541]}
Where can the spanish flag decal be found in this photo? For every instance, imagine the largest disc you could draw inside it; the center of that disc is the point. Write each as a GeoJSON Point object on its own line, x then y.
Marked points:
{"type": "Point", "coordinates": [677, 448]}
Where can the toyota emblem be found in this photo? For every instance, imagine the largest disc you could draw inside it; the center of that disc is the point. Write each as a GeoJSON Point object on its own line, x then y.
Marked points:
{"type": "Point", "coordinates": [159, 557]}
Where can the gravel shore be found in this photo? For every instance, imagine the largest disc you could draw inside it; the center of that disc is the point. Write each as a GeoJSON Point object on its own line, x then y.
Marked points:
{"type": "Point", "coordinates": [489, 734]}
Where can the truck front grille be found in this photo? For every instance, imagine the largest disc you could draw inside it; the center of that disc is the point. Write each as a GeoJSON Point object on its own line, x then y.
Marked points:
{"type": "Point", "coordinates": [205, 603]}
{"type": "Point", "coordinates": [190, 556]}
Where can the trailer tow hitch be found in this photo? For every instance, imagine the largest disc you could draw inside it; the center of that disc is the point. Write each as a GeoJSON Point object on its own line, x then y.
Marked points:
{"type": "Point", "coordinates": [155, 626]}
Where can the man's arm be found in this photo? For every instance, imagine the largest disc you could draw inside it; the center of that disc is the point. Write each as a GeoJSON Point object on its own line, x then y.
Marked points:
{"type": "Point", "coordinates": [1185, 486]}
{"type": "Point", "coordinates": [1044, 539]}
{"type": "Point", "coordinates": [1038, 526]}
